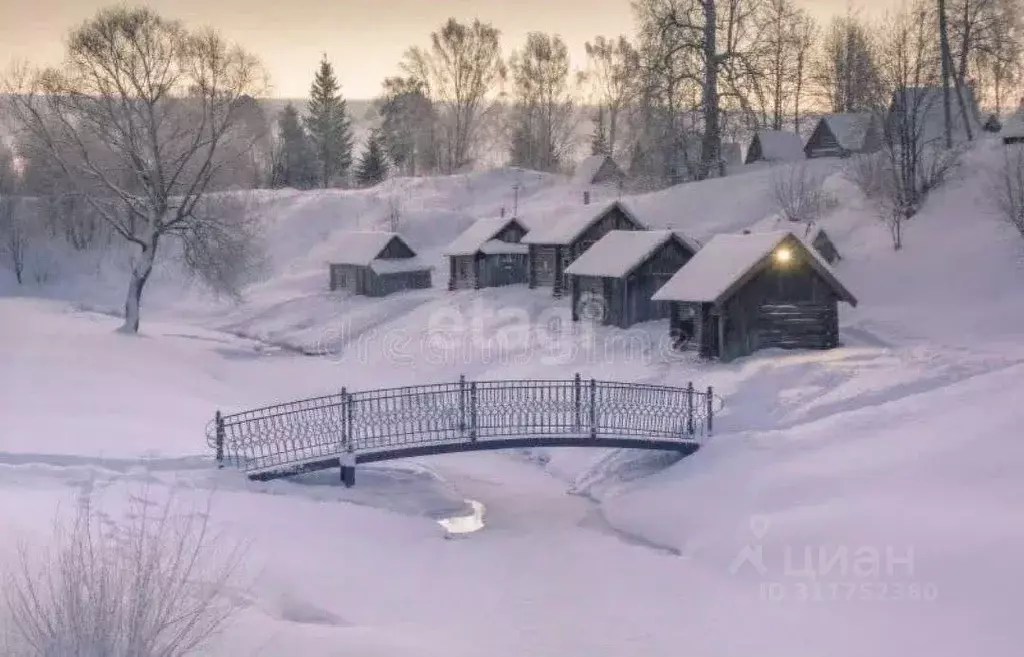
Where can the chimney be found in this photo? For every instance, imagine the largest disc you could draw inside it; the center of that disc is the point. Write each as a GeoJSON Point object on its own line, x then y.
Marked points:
{"type": "Point", "coordinates": [586, 198]}
{"type": "Point", "coordinates": [746, 232]}
{"type": "Point", "coordinates": [503, 212]}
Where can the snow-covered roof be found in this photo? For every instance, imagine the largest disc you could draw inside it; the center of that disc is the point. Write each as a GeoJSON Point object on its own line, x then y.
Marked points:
{"type": "Point", "coordinates": [927, 103]}
{"type": "Point", "coordinates": [473, 238]}
{"type": "Point", "coordinates": [1014, 126]}
{"type": "Point", "coordinates": [572, 222]}
{"type": "Point", "coordinates": [619, 252]}
{"type": "Point", "coordinates": [361, 247]}
{"type": "Point", "coordinates": [780, 146]}
{"type": "Point", "coordinates": [399, 265]}
{"type": "Point", "coordinates": [493, 247]}
{"type": "Point", "coordinates": [588, 168]}
{"type": "Point", "coordinates": [850, 128]}
{"type": "Point", "coordinates": [728, 260]}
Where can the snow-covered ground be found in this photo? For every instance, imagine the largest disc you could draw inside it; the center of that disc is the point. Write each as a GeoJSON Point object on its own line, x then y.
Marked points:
{"type": "Point", "coordinates": [860, 501]}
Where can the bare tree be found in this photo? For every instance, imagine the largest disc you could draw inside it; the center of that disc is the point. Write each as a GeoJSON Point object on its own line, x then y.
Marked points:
{"type": "Point", "coordinates": [613, 68]}
{"type": "Point", "coordinates": [458, 73]}
{"type": "Point", "coordinates": [136, 119]}
{"type": "Point", "coordinates": [1007, 187]}
{"type": "Point", "coordinates": [846, 70]}
{"type": "Point", "coordinates": [157, 583]}
{"type": "Point", "coordinates": [799, 193]}
{"type": "Point", "coordinates": [544, 117]}
{"type": "Point", "coordinates": [14, 234]}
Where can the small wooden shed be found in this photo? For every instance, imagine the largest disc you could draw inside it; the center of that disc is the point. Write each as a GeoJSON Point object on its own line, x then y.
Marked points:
{"type": "Point", "coordinates": [598, 170]}
{"type": "Point", "coordinates": [992, 124]}
{"type": "Point", "coordinates": [554, 245]}
{"type": "Point", "coordinates": [775, 146]}
{"type": "Point", "coordinates": [488, 254]}
{"type": "Point", "coordinates": [376, 263]}
{"type": "Point", "coordinates": [1012, 131]}
{"type": "Point", "coordinates": [842, 135]}
{"type": "Point", "coordinates": [823, 244]}
{"type": "Point", "coordinates": [741, 293]}
{"type": "Point", "coordinates": [614, 280]}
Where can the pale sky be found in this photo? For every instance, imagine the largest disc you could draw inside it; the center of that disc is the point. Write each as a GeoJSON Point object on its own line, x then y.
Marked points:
{"type": "Point", "coordinates": [364, 39]}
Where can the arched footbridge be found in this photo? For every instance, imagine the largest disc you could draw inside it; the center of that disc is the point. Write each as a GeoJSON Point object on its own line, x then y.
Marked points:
{"type": "Point", "coordinates": [347, 428]}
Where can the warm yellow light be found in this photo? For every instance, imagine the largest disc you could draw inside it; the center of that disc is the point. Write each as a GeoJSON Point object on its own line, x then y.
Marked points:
{"type": "Point", "coordinates": [783, 255]}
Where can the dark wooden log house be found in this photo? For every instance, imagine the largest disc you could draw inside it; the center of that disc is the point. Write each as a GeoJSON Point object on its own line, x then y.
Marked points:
{"type": "Point", "coordinates": [614, 280]}
{"type": "Point", "coordinates": [843, 135]}
{"type": "Point", "coordinates": [554, 246]}
{"type": "Point", "coordinates": [488, 254]}
{"type": "Point", "coordinates": [376, 263]}
{"type": "Point", "coordinates": [741, 293]}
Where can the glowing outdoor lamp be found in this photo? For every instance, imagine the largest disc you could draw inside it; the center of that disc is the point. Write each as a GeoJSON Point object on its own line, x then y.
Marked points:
{"type": "Point", "coordinates": [783, 255]}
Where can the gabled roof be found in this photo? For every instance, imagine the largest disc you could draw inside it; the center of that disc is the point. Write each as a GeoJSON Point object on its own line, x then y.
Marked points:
{"type": "Point", "coordinates": [727, 262]}
{"type": "Point", "coordinates": [927, 104]}
{"type": "Point", "coordinates": [1014, 126]}
{"type": "Point", "coordinates": [780, 146]}
{"type": "Point", "coordinates": [850, 129]}
{"type": "Point", "coordinates": [571, 223]}
{"type": "Point", "coordinates": [482, 231]}
{"type": "Point", "coordinates": [588, 168]}
{"type": "Point", "coordinates": [362, 247]}
{"type": "Point", "coordinates": [619, 252]}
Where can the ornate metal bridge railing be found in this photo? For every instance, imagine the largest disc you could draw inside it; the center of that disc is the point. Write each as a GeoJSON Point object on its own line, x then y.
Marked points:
{"type": "Point", "coordinates": [376, 425]}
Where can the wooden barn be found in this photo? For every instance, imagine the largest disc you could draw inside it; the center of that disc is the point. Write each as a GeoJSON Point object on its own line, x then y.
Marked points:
{"type": "Point", "coordinates": [556, 244]}
{"type": "Point", "coordinates": [598, 170]}
{"type": "Point", "coordinates": [775, 146]}
{"type": "Point", "coordinates": [741, 293]}
{"type": "Point", "coordinates": [1012, 131]}
{"type": "Point", "coordinates": [920, 110]}
{"type": "Point", "coordinates": [992, 124]}
{"type": "Point", "coordinates": [488, 254]}
{"type": "Point", "coordinates": [376, 263]}
{"type": "Point", "coordinates": [614, 280]}
{"type": "Point", "coordinates": [842, 135]}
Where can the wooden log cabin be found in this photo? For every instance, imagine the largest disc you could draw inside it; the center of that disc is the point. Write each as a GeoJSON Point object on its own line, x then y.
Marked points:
{"type": "Point", "coordinates": [555, 245]}
{"type": "Point", "coordinates": [613, 282]}
{"type": "Point", "coordinates": [843, 135]}
{"type": "Point", "coordinates": [375, 264]}
{"type": "Point", "coordinates": [488, 254]}
{"type": "Point", "coordinates": [741, 293]}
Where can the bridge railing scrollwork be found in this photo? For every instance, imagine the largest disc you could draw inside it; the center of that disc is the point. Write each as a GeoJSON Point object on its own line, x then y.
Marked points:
{"type": "Point", "coordinates": [291, 436]}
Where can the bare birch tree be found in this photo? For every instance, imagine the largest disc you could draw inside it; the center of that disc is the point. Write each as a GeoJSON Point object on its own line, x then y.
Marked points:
{"type": "Point", "coordinates": [136, 119]}
{"type": "Point", "coordinates": [613, 69]}
{"type": "Point", "coordinates": [458, 73]}
{"type": "Point", "coordinates": [1007, 187]}
{"type": "Point", "coordinates": [14, 235]}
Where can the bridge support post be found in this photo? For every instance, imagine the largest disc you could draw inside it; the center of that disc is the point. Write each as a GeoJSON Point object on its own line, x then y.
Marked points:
{"type": "Point", "coordinates": [711, 410]}
{"type": "Point", "coordinates": [689, 408]}
{"type": "Point", "coordinates": [219, 421]}
{"type": "Point", "coordinates": [347, 462]}
{"type": "Point", "coordinates": [593, 408]}
{"type": "Point", "coordinates": [577, 401]}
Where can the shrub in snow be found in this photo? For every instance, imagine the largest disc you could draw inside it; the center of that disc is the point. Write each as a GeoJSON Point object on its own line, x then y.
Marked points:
{"type": "Point", "coordinates": [149, 585]}
{"type": "Point", "coordinates": [1008, 186]}
{"type": "Point", "coordinates": [798, 193]}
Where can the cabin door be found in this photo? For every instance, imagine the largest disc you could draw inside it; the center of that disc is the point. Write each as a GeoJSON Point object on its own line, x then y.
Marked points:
{"type": "Point", "coordinates": [710, 345]}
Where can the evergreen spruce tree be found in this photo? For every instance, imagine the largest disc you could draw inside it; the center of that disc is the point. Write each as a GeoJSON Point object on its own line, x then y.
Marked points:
{"type": "Point", "coordinates": [295, 164]}
{"type": "Point", "coordinates": [598, 142]}
{"type": "Point", "coordinates": [329, 127]}
{"type": "Point", "coordinates": [373, 165]}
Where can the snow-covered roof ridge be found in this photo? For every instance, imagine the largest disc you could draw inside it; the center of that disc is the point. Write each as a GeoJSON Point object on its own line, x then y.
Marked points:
{"type": "Point", "coordinates": [849, 128]}
{"type": "Point", "coordinates": [471, 240]}
{"type": "Point", "coordinates": [361, 247]}
{"type": "Point", "coordinates": [572, 222]}
{"type": "Point", "coordinates": [727, 260]}
{"type": "Point", "coordinates": [588, 168]}
{"type": "Point", "coordinates": [621, 251]}
{"type": "Point", "coordinates": [780, 145]}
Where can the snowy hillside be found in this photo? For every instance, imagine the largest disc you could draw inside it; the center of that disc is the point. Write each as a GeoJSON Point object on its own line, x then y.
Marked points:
{"type": "Point", "coordinates": [864, 500]}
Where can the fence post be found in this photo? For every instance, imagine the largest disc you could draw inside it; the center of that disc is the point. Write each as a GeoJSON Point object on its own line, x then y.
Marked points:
{"type": "Point", "coordinates": [344, 418]}
{"type": "Point", "coordinates": [472, 411]}
{"type": "Point", "coordinates": [593, 408]}
{"type": "Point", "coordinates": [689, 408]}
{"type": "Point", "coordinates": [219, 421]}
{"type": "Point", "coordinates": [462, 405]}
{"type": "Point", "coordinates": [577, 400]}
{"type": "Point", "coordinates": [711, 410]}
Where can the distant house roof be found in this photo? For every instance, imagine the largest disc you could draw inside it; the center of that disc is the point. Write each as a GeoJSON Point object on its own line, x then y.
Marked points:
{"type": "Point", "coordinates": [399, 265]}
{"type": "Point", "coordinates": [728, 261]}
{"type": "Point", "coordinates": [850, 129]}
{"type": "Point", "coordinates": [778, 146]}
{"type": "Point", "coordinates": [1013, 127]}
{"type": "Point", "coordinates": [589, 167]}
{"type": "Point", "coordinates": [361, 248]}
{"type": "Point", "coordinates": [573, 222]}
{"type": "Point", "coordinates": [927, 103]}
{"type": "Point", "coordinates": [619, 252]}
{"type": "Point", "coordinates": [472, 240]}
